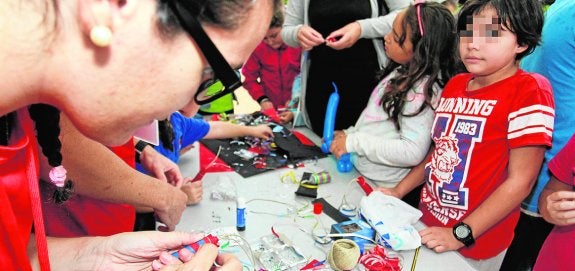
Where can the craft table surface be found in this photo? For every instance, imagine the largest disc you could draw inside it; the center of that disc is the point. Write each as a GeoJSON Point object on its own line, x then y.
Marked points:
{"type": "Point", "coordinates": [212, 214]}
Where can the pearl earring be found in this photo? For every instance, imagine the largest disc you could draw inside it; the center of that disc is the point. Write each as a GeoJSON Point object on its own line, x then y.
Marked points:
{"type": "Point", "coordinates": [101, 35]}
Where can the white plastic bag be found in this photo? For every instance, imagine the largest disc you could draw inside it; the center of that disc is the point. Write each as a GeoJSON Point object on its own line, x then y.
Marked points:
{"type": "Point", "coordinates": [393, 221]}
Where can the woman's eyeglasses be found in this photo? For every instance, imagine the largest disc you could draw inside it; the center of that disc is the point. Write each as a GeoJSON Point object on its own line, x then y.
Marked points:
{"type": "Point", "coordinates": [222, 70]}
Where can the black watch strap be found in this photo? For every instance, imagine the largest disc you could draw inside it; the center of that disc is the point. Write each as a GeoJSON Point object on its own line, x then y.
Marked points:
{"type": "Point", "coordinates": [140, 146]}
{"type": "Point", "coordinates": [463, 234]}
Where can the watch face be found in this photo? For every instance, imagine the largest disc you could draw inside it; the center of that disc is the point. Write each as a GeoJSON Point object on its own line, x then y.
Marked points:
{"type": "Point", "coordinates": [461, 231]}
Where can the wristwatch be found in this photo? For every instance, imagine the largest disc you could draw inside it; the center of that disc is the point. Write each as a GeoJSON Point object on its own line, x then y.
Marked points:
{"type": "Point", "coordinates": [140, 146]}
{"type": "Point", "coordinates": [463, 234]}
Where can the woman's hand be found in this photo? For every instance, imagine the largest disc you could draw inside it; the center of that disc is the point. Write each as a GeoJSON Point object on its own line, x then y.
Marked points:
{"type": "Point", "coordinates": [132, 251]}
{"type": "Point", "coordinates": [170, 212]}
{"type": "Point", "coordinates": [191, 261]}
{"type": "Point", "coordinates": [161, 167]}
{"type": "Point", "coordinates": [344, 37]}
{"type": "Point", "coordinates": [309, 37]}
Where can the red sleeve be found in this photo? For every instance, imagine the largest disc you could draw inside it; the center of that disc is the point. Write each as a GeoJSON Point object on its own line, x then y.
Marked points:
{"type": "Point", "coordinates": [532, 113]}
{"type": "Point", "coordinates": [252, 72]}
{"type": "Point", "coordinates": [563, 164]}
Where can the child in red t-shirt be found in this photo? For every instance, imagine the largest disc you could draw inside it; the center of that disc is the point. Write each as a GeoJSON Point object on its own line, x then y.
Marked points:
{"type": "Point", "coordinates": [490, 132]}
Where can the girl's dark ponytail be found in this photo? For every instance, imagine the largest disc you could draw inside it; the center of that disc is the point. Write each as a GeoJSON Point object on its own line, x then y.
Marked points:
{"type": "Point", "coordinates": [47, 119]}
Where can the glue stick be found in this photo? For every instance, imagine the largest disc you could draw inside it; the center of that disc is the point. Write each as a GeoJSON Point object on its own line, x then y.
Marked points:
{"type": "Point", "coordinates": [241, 214]}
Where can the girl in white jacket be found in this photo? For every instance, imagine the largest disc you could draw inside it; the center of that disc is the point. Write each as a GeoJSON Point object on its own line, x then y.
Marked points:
{"type": "Point", "coordinates": [392, 133]}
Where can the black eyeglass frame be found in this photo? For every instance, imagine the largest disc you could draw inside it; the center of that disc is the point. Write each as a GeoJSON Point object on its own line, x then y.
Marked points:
{"type": "Point", "coordinates": [222, 69]}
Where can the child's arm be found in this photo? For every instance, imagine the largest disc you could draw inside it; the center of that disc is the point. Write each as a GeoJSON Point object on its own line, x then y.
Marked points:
{"type": "Point", "coordinates": [524, 165]}
{"type": "Point", "coordinates": [413, 179]}
{"type": "Point", "coordinates": [222, 129]}
{"type": "Point", "coordinates": [406, 150]}
{"type": "Point", "coordinates": [557, 203]}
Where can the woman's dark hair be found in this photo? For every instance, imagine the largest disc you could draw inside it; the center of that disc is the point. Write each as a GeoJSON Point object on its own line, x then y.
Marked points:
{"type": "Point", "coordinates": [166, 134]}
{"type": "Point", "coordinates": [47, 121]}
{"type": "Point", "coordinates": [524, 18]}
{"type": "Point", "coordinates": [227, 14]}
{"type": "Point", "coordinates": [434, 56]}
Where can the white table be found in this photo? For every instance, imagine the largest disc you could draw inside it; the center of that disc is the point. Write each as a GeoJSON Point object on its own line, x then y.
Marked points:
{"type": "Point", "coordinates": [262, 213]}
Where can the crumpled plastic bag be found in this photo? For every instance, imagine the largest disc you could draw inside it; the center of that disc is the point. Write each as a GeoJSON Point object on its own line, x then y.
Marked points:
{"type": "Point", "coordinates": [393, 221]}
{"type": "Point", "coordinates": [224, 189]}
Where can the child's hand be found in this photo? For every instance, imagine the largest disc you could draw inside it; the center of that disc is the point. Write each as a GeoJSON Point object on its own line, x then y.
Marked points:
{"type": "Point", "coordinates": [286, 116]}
{"type": "Point", "coordinates": [561, 207]}
{"type": "Point", "coordinates": [344, 37]}
{"type": "Point", "coordinates": [337, 146]}
{"type": "Point", "coordinates": [266, 104]}
{"type": "Point", "coordinates": [439, 239]}
{"type": "Point", "coordinates": [261, 131]}
{"type": "Point", "coordinates": [193, 190]}
{"type": "Point", "coordinates": [338, 133]}
{"type": "Point", "coordinates": [308, 37]}
{"type": "Point", "coordinates": [389, 191]}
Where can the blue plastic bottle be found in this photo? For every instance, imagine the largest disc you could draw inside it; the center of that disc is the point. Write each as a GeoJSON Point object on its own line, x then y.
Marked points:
{"type": "Point", "coordinates": [241, 214]}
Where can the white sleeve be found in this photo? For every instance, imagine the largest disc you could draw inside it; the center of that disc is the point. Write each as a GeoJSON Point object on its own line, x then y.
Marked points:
{"type": "Point", "coordinates": [380, 26]}
{"type": "Point", "coordinates": [294, 19]}
{"type": "Point", "coordinates": [407, 151]}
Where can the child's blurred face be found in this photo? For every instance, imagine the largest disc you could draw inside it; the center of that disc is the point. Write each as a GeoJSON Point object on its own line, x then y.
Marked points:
{"type": "Point", "coordinates": [399, 53]}
{"type": "Point", "coordinates": [273, 37]}
{"type": "Point", "coordinates": [487, 48]}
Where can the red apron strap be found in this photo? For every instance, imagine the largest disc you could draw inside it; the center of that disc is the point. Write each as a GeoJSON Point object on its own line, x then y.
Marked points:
{"type": "Point", "coordinates": [36, 203]}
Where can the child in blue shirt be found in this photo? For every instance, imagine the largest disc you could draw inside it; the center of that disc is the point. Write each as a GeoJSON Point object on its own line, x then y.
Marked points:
{"type": "Point", "coordinates": [182, 130]}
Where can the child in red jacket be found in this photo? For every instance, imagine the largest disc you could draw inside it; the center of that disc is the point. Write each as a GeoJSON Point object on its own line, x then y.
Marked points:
{"type": "Point", "coordinates": [270, 71]}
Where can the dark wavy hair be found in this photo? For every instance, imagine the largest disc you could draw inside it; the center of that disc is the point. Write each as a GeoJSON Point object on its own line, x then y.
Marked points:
{"type": "Point", "coordinates": [434, 55]}
{"type": "Point", "coordinates": [524, 18]}
{"type": "Point", "coordinates": [227, 14]}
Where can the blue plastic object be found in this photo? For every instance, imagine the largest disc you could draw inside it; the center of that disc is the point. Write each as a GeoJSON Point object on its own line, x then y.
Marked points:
{"type": "Point", "coordinates": [344, 162]}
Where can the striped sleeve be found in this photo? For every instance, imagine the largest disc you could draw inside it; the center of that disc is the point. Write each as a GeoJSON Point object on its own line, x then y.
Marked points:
{"type": "Point", "coordinates": [533, 113]}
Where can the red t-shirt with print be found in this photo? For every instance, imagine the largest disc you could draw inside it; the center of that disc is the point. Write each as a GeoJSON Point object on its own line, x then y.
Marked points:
{"type": "Point", "coordinates": [474, 132]}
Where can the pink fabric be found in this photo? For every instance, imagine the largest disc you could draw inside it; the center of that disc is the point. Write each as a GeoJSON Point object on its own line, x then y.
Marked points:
{"type": "Point", "coordinates": [271, 72]}
{"type": "Point", "coordinates": [557, 252]}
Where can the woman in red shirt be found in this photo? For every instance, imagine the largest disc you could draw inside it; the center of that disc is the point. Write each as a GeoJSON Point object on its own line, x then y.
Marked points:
{"type": "Point", "coordinates": [112, 67]}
